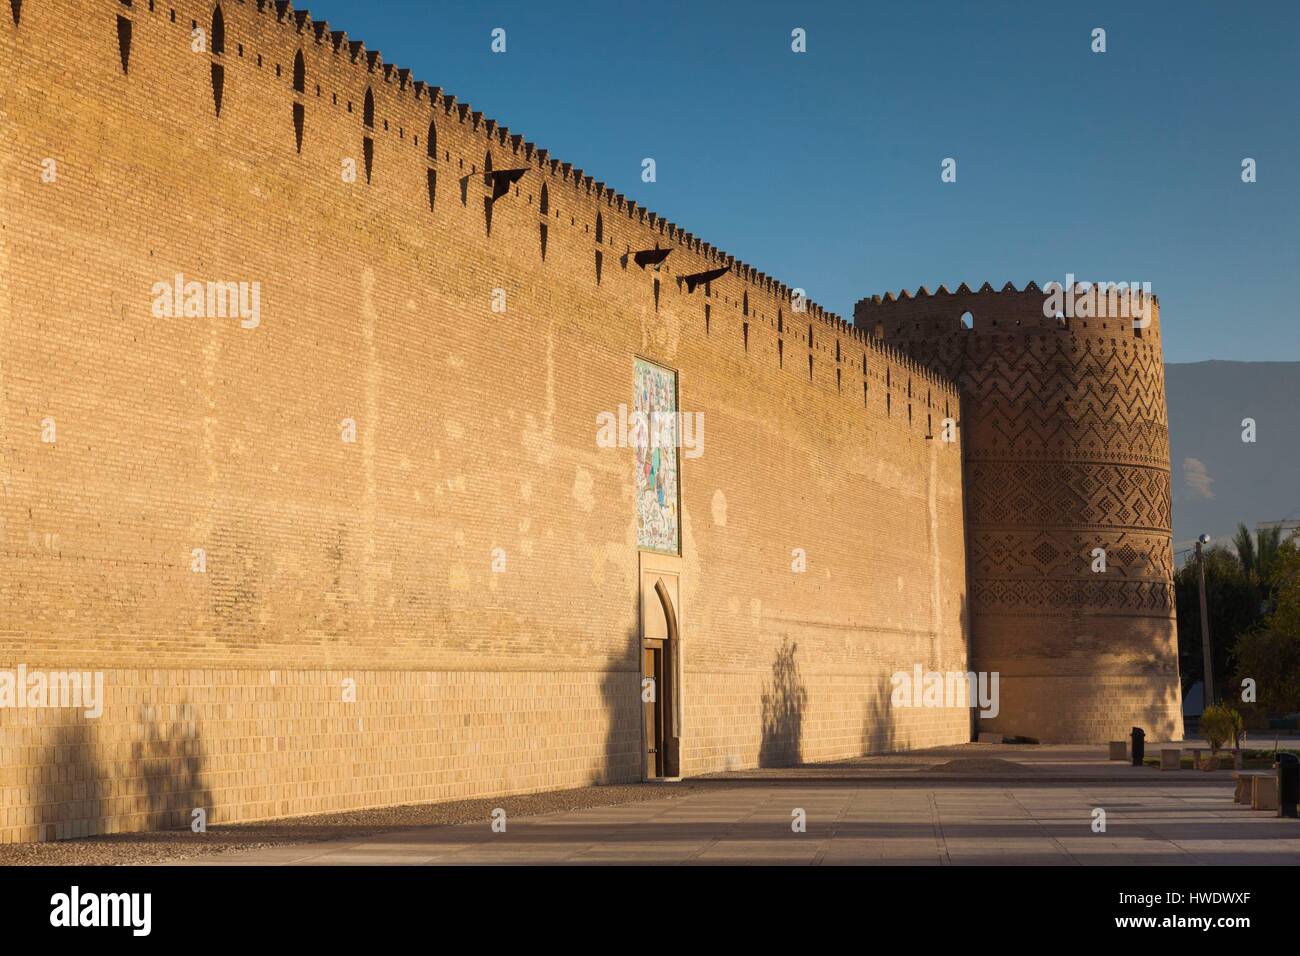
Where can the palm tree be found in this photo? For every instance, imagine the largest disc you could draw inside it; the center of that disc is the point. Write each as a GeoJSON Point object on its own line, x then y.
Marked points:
{"type": "Point", "coordinates": [1267, 542]}
{"type": "Point", "coordinates": [1245, 546]}
{"type": "Point", "coordinates": [1258, 556]}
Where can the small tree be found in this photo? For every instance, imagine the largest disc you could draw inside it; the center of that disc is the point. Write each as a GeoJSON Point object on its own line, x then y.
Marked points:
{"type": "Point", "coordinates": [1220, 724]}
{"type": "Point", "coordinates": [1238, 730]}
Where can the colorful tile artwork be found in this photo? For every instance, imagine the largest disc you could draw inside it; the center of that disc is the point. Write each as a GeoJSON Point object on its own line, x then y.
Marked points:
{"type": "Point", "coordinates": [652, 433]}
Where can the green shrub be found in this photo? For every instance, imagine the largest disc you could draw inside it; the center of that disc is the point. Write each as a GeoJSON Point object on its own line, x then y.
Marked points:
{"type": "Point", "coordinates": [1219, 724]}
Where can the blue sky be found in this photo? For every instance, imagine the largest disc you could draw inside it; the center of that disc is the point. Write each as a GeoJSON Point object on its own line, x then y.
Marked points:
{"type": "Point", "coordinates": [823, 168]}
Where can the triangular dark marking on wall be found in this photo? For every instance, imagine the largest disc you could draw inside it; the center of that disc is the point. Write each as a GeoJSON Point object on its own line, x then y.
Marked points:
{"type": "Point", "coordinates": [368, 145]}
{"type": "Point", "coordinates": [218, 31]}
{"type": "Point", "coordinates": [124, 42]}
{"type": "Point", "coordinates": [218, 85]}
{"type": "Point", "coordinates": [299, 120]}
{"type": "Point", "coordinates": [433, 187]}
{"type": "Point", "coordinates": [17, 7]}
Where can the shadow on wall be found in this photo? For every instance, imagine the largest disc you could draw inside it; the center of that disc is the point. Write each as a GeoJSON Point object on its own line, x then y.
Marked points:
{"type": "Point", "coordinates": [1137, 685]}
{"type": "Point", "coordinates": [783, 706]}
{"type": "Point", "coordinates": [879, 727]}
{"type": "Point", "coordinates": [878, 732]}
{"type": "Point", "coordinates": [169, 762]}
{"type": "Point", "coordinates": [621, 687]}
{"type": "Point", "coordinates": [156, 788]}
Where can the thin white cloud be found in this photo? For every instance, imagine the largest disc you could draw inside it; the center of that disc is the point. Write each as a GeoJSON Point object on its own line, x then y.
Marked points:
{"type": "Point", "coordinates": [1196, 479]}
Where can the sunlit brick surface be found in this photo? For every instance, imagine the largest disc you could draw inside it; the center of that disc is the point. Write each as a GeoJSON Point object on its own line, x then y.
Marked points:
{"type": "Point", "coordinates": [371, 562]}
{"type": "Point", "coordinates": [1066, 443]}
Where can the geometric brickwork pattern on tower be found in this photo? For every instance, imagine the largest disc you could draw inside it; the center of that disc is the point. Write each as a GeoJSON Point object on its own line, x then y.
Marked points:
{"type": "Point", "coordinates": [1066, 454]}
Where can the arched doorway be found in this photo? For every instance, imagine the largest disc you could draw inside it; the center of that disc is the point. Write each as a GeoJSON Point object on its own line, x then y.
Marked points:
{"type": "Point", "coordinates": [659, 667]}
{"type": "Point", "coordinates": [661, 672]}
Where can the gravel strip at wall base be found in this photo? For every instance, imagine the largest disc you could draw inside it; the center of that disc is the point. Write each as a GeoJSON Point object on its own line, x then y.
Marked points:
{"type": "Point", "coordinates": [171, 845]}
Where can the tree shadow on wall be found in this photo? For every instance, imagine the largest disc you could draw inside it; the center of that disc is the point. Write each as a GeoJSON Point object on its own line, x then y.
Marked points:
{"type": "Point", "coordinates": [168, 762]}
{"type": "Point", "coordinates": [78, 790]}
{"type": "Point", "coordinates": [621, 690]}
{"type": "Point", "coordinates": [879, 736]}
{"type": "Point", "coordinates": [783, 703]}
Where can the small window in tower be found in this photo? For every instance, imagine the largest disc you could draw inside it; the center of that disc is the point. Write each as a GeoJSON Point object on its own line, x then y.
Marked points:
{"type": "Point", "coordinates": [967, 320]}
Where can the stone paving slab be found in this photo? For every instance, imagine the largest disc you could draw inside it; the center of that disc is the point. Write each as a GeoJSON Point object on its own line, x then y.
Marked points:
{"type": "Point", "coordinates": [948, 823]}
{"type": "Point", "coordinates": [994, 763]}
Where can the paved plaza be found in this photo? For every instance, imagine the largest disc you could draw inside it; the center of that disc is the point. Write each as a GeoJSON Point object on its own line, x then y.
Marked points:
{"type": "Point", "coordinates": [952, 806]}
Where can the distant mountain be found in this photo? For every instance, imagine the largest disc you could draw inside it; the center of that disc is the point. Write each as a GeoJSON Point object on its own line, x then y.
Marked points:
{"type": "Point", "coordinates": [1218, 479]}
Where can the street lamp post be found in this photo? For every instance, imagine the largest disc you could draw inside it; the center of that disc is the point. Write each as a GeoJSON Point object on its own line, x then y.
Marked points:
{"type": "Point", "coordinates": [1205, 623]}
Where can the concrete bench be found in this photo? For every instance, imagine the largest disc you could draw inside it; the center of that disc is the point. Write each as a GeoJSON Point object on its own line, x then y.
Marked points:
{"type": "Point", "coordinates": [1119, 750]}
{"type": "Point", "coordinates": [1170, 758]}
{"type": "Point", "coordinates": [1264, 796]}
{"type": "Point", "coordinates": [1245, 785]}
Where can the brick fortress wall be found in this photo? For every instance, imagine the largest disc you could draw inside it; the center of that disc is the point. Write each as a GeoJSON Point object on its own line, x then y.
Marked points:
{"type": "Point", "coordinates": [370, 563]}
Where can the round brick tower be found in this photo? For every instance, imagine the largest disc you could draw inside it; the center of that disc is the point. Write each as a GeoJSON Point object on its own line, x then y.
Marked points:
{"type": "Point", "coordinates": [1068, 534]}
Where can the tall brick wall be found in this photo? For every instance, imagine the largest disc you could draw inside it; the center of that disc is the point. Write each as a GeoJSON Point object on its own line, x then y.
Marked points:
{"type": "Point", "coordinates": [1067, 452]}
{"type": "Point", "coordinates": [369, 564]}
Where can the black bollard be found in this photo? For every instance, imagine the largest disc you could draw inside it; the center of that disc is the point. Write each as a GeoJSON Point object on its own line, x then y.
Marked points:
{"type": "Point", "coordinates": [1288, 784]}
{"type": "Point", "coordinates": [1138, 746]}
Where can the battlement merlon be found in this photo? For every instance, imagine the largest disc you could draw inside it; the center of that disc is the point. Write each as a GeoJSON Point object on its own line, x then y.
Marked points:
{"type": "Point", "coordinates": [394, 84]}
{"type": "Point", "coordinates": [396, 101]}
{"type": "Point", "coordinates": [1088, 308]}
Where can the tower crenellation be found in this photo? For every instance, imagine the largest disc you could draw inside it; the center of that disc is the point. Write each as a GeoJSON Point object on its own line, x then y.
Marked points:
{"type": "Point", "coordinates": [1065, 448]}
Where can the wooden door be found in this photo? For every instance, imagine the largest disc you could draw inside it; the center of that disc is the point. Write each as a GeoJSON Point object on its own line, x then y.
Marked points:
{"type": "Point", "coordinates": [652, 695]}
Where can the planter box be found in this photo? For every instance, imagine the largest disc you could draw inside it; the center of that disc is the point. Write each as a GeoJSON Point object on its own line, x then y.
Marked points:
{"type": "Point", "coordinates": [1170, 759]}
{"type": "Point", "coordinates": [1245, 787]}
{"type": "Point", "coordinates": [1119, 750]}
{"type": "Point", "coordinates": [1264, 796]}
